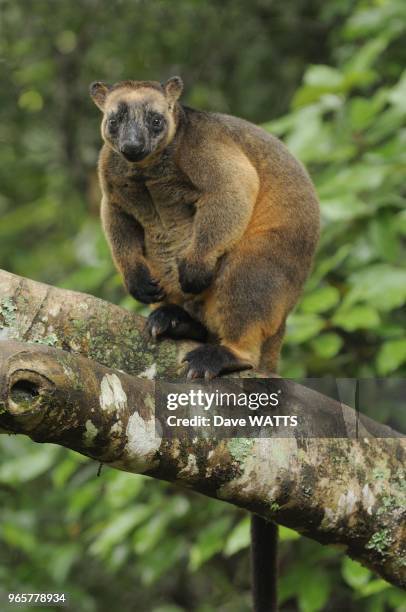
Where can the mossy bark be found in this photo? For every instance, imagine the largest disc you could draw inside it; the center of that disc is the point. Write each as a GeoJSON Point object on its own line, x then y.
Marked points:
{"type": "Point", "coordinates": [82, 324]}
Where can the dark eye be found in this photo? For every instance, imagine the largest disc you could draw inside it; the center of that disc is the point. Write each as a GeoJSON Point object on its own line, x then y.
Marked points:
{"type": "Point", "coordinates": [157, 123]}
{"type": "Point", "coordinates": [113, 123]}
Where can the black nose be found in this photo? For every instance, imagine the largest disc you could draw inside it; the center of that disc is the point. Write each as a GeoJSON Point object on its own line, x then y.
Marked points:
{"type": "Point", "coordinates": [133, 151]}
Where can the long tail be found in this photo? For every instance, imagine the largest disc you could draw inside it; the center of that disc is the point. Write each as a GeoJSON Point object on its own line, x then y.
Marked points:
{"type": "Point", "coordinates": [264, 564]}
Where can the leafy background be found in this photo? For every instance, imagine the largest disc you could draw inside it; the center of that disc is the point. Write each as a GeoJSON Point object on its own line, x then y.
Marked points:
{"type": "Point", "coordinates": [327, 77]}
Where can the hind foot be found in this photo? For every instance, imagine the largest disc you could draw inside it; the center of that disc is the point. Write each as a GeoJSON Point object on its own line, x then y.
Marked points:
{"type": "Point", "coordinates": [172, 321]}
{"type": "Point", "coordinates": [211, 360]}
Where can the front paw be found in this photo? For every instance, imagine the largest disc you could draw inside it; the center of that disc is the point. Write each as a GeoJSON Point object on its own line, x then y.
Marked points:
{"type": "Point", "coordinates": [143, 287]}
{"type": "Point", "coordinates": [194, 276]}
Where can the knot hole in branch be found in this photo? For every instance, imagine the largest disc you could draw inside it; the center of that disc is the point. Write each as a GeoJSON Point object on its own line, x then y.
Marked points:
{"type": "Point", "coordinates": [28, 390]}
{"type": "Point", "coordinates": [24, 391]}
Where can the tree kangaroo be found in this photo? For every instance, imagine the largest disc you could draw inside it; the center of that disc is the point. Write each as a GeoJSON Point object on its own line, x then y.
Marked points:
{"type": "Point", "coordinates": [212, 220]}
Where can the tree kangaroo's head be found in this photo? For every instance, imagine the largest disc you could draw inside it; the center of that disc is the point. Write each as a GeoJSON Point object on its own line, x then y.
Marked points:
{"type": "Point", "coordinates": [138, 116]}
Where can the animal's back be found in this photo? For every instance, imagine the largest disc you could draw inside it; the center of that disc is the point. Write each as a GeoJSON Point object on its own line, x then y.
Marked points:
{"type": "Point", "coordinates": [287, 196]}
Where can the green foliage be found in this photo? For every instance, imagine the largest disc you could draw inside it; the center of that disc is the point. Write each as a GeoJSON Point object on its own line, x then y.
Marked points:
{"type": "Point", "coordinates": [123, 541]}
{"type": "Point", "coordinates": [347, 125]}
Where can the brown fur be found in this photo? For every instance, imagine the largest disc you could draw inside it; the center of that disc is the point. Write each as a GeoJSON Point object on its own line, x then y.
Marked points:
{"type": "Point", "coordinates": [222, 198]}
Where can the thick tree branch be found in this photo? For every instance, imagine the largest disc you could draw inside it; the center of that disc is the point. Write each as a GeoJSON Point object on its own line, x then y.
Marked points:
{"type": "Point", "coordinates": [83, 324]}
{"type": "Point", "coordinates": [349, 492]}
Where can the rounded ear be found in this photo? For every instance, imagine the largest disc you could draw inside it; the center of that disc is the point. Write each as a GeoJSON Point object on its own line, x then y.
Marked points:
{"type": "Point", "coordinates": [173, 89]}
{"type": "Point", "coordinates": [98, 92]}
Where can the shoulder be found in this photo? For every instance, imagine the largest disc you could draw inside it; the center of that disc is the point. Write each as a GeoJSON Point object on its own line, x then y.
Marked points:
{"type": "Point", "coordinates": [206, 131]}
{"type": "Point", "coordinates": [209, 152]}
{"type": "Point", "coordinates": [205, 134]}
{"type": "Point", "coordinates": [221, 125]}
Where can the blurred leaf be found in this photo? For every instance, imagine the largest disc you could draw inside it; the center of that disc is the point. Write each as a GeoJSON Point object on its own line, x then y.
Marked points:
{"type": "Point", "coordinates": [382, 286]}
{"type": "Point", "coordinates": [65, 468]}
{"type": "Point", "coordinates": [17, 536]}
{"type": "Point", "coordinates": [239, 538]}
{"type": "Point", "coordinates": [161, 559]}
{"type": "Point", "coordinates": [148, 535]}
{"type": "Point", "coordinates": [318, 81]}
{"type": "Point", "coordinates": [313, 589]}
{"type": "Point", "coordinates": [320, 300]}
{"type": "Point", "coordinates": [327, 345]}
{"type": "Point", "coordinates": [314, 597]}
{"type": "Point", "coordinates": [211, 540]}
{"type": "Point", "coordinates": [373, 587]}
{"type": "Point", "coordinates": [363, 111]}
{"type": "Point", "coordinates": [357, 317]}
{"type": "Point", "coordinates": [343, 208]}
{"type": "Point", "coordinates": [88, 278]}
{"type": "Point", "coordinates": [400, 223]}
{"type": "Point", "coordinates": [31, 100]}
{"type": "Point", "coordinates": [123, 489]}
{"type": "Point", "coordinates": [391, 355]}
{"type": "Point", "coordinates": [63, 562]}
{"type": "Point", "coordinates": [361, 62]}
{"type": "Point", "coordinates": [327, 264]}
{"type": "Point", "coordinates": [350, 180]}
{"type": "Point", "coordinates": [310, 139]}
{"type": "Point", "coordinates": [354, 574]}
{"type": "Point", "coordinates": [287, 535]}
{"type": "Point", "coordinates": [302, 327]}
{"type": "Point", "coordinates": [29, 466]}
{"type": "Point", "coordinates": [119, 528]}
{"type": "Point", "coordinates": [382, 234]}
{"type": "Point", "coordinates": [398, 93]}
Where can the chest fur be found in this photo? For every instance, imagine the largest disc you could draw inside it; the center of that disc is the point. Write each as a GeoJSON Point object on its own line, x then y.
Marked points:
{"type": "Point", "coordinates": [162, 199]}
{"type": "Point", "coordinates": [159, 198]}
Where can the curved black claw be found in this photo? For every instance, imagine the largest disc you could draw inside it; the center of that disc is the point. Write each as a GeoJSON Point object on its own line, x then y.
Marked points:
{"type": "Point", "coordinates": [211, 360]}
{"type": "Point", "coordinates": [174, 322]}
